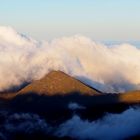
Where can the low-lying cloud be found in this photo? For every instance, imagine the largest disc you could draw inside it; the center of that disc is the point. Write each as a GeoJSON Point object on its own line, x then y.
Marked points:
{"type": "Point", "coordinates": [75, 106]}
{"type": "Point", "coordinates": [111, 127]}
{"type": "Point", "coordinates": [109, 69]}
{"type": "Point", "coordinates": [14, 124]}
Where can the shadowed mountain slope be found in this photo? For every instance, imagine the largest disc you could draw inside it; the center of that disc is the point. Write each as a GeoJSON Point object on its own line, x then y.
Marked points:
{"type": "Point", "coordinates": [57, 82]}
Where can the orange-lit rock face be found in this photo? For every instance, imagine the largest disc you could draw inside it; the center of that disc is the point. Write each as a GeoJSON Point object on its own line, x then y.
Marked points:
{"type": "Point", "coordinates": [57, 82]}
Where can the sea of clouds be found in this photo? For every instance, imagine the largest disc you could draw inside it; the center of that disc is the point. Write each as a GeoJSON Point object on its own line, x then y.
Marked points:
{"type": "Point", "coordinates": [109, 69]}
{"type": "Point", "coordinates": [110, 127]}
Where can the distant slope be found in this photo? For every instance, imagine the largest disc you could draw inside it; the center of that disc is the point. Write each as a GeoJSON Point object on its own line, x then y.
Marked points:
{"type": "Point", "coordinates": [130, 97]}
{"type": "Point", "coordinates": [57, 82]}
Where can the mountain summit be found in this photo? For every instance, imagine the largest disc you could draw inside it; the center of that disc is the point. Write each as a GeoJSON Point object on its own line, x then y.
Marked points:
{"type": "Point", "coordinates": [57, 82]}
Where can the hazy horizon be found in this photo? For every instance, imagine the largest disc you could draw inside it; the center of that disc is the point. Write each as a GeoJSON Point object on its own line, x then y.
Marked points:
{"type": "Point", "coordinates": [99, 20]}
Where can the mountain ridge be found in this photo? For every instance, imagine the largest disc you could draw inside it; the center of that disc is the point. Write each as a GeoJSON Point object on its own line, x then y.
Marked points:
{"type": "Point", "coordinates": [58, 82]}
{"type": "Point", "coordinates": [61, 84]}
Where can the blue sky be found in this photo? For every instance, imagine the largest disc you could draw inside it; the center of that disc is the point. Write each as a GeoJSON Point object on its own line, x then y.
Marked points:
{"type": "Point", "coordinates": [97, 19]}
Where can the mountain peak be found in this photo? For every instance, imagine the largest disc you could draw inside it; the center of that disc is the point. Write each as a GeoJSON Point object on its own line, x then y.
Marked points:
{"type": "Point", "coordinates": [56, 73]}
{"type": "Point", "coordinates": [58, 82]}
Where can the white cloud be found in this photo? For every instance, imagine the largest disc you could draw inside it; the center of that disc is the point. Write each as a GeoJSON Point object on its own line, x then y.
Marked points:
{"type": "Point", "coordinates": [108, 69]}
{"type": "Point", "coordinates": [111, 127]}
{"type": "Point", "coordinates": [74, 106]}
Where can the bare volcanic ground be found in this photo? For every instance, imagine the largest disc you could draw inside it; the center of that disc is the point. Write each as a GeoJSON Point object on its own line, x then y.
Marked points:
{"type": "Point", "coordinates": [57, 82]}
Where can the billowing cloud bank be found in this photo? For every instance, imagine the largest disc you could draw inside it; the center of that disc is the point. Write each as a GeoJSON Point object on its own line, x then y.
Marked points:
{"type": "Point", "coordinates": [110, 69]}
{"type": "Point", "coordinates": [110, 127]}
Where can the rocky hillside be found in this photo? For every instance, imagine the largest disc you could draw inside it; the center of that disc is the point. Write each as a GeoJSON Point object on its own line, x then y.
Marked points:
{"type": "Point", "coordinates": [57, 82]}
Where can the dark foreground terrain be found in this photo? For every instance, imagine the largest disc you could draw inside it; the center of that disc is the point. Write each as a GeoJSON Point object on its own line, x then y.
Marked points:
{"type": "Point", "coordinates": [61, 107]}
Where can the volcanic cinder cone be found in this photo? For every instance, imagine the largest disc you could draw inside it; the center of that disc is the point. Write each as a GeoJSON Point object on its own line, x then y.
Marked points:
{"type": "Point", "coordinates": [57, 82]}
